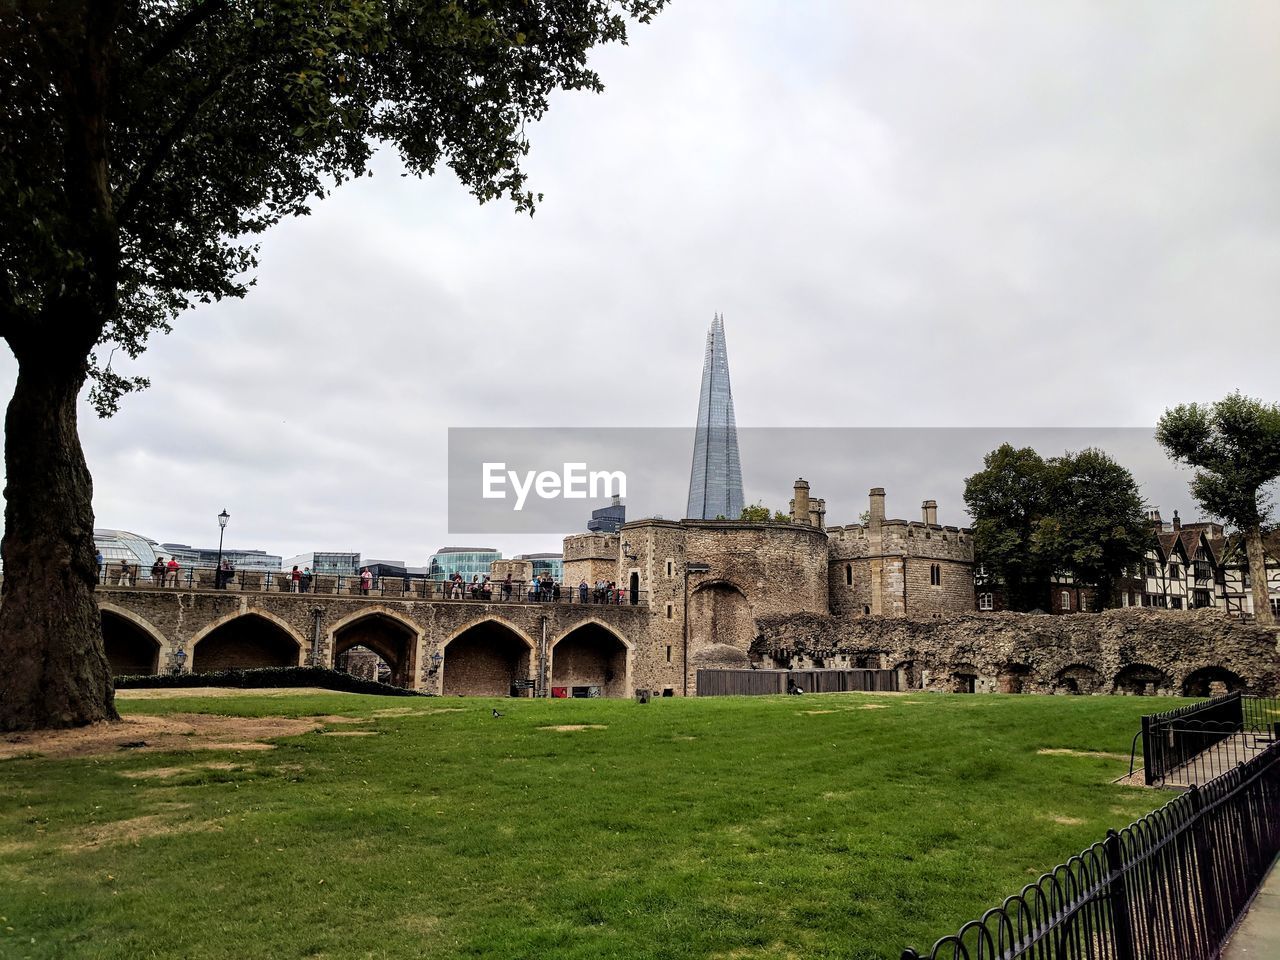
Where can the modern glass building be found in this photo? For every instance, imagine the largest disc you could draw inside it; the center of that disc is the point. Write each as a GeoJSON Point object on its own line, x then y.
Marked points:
{"type": "Point", "coordinates": [548, 563]}
{"type": "Point", "coordinates": [715, 482]}
{"type": "Point", "coordinates": [468, 561]}
{"type": "Point", "coordinates": [326, 564]}
{"type": "Point", "coordinates": [608, 519]}
{"type": "Point", "coordinates": [208, 557]}
{"type": "Point", "coordinates": [117, 545]}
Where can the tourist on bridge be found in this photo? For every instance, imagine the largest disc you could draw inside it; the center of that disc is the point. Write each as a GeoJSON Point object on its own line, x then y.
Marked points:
{"type": "Point", "coordinates": [366, 581]}
{"type": "Point", "coordinates": [99, 558]}
{"type": "Point", "coordinates": [173, 570]}
{"type": "Point", "coordinates": [295, 580]}
{"type": "Point", "coordinates": [535, 587]}
{"type": "Point", "coordinates": [157, 572]}
{"type": "Point", "coordinates": [506, 587]}
{"type": "Point", "coordinates": [125, 571]}
{"type": "Point", "coordinates": [582, 591]}
{"type": "Point", "coordinates": [305, 582]}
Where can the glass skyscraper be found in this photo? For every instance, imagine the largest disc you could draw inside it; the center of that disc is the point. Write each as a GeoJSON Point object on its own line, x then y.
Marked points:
{"type": "Point", "coordinates": [715, 482]}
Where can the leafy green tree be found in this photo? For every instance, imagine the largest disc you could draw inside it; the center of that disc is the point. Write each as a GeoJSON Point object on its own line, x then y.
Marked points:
{"type": "Point", "coordinates": [1080, 514]}
{"type": "Point", "coordinates": [1097, 527]}
{"type": "Point", "coordinates": [758, 513]}
{"type": "Point", "coordinates": [1234, 446]}
{"type": "Point", "coordinates": [146, 144]}
{"type": "Point", "coordinates": [1008, 500]}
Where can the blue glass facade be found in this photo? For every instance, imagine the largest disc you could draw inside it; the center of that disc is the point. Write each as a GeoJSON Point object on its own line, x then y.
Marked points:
{"type": "Point", "coordinates": [715, 482]}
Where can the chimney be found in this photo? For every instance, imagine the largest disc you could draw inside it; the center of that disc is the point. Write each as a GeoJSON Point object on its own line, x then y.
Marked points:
{"type": "Point", "coordinates": [1156, 523]}
{"type": "Point", "coordinates": [877, 505]}
{"type": "Point", "coordinates": [1177, 524]}
{"type": "Point", "coordinates": [930, 510]}
{"type": "Point", "coordinates": [800, 506]}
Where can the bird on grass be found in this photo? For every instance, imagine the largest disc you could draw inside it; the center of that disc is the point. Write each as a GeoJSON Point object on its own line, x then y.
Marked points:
{"type": "Point", "coordinates": [496, 712]}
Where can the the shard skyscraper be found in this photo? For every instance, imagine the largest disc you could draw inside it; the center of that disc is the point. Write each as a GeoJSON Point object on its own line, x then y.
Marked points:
{"type": "Point", "coordinates": [715, 482]}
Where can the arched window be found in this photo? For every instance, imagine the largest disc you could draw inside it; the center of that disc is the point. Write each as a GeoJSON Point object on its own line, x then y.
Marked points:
{"type": "Point", "coordinates": [935, 574]}
{"type": "Point", "coordinates": [848, 574]}
{"type": "Point", "coordinates": [1065, 602]}
{"type": "Point", "coordinates": [986, 601]}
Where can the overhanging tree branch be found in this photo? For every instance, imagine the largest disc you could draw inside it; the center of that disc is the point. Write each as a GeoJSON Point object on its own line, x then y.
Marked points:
{"type": "Point", "coordinates": [174, 38]}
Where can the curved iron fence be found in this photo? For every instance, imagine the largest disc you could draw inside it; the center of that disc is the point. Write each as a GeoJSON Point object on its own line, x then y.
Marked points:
{"type": "Point", "coordinates": [1170, 886]}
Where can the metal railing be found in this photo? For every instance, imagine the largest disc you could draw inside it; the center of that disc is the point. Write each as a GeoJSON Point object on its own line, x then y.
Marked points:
{"type": "Point", "coordinates": [408, 588]}
{"type": "Point", "coordinates": [1171, 886]}
{"type": "Point", "coordinates": [1195, 743]}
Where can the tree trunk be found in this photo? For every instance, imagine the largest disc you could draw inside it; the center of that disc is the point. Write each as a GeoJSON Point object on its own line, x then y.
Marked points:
{"type": "Point", "coordinates": [55, 671]}
{"type": "Point", "coordinates": [1258, 574]}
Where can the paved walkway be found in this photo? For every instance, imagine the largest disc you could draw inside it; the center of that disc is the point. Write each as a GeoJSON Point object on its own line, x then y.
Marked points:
{"type": "Point", "coordinates": [1217, 760]}
{"type": "Point", "coordinates": [1258, 936]}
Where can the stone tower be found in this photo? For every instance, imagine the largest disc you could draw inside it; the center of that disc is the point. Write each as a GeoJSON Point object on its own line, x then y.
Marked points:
{"type": "Point", "coordinates": [715, 482]}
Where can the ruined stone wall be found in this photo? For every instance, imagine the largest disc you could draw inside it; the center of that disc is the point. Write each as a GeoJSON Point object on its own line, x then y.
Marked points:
{"type": "Point", "coordinates": [1116, 651]}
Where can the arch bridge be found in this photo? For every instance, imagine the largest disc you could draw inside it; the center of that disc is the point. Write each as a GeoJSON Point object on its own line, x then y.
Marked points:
{"type": "Point", "coordinates": [451, 647]}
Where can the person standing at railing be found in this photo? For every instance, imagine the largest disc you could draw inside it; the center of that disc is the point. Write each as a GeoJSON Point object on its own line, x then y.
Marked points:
{"type": "Point", "coordinates": [100, 560]}
{"type": "Point", "coordinates": [535, 588]}
{"type": "Point", "coordinates": [173, 568]}
{"type": "Point", "coordinates": [582, 591]}
{"type": "Point", "coordinates": [125, 570]}
{"type": "Point", "coordinates": [305, 581]}
{"type": "Point", "coordinates": [506, 587]}
{"type": "Point", "coordinates": [295, 580]}
{"type": "Point", "coordinates": [157, 572]}
{"type": "Point", "coordinates": [366, 581]}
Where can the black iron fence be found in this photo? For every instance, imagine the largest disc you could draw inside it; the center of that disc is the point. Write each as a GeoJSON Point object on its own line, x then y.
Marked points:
{"type": "Point", "coordinates": [409, 588]}
{"type": "Point", "coordinates": [732, 682]}
{"type": "Point", "coordinates": [1171, 886]}
{"type": "Point", "coordinates": [1195, 743]}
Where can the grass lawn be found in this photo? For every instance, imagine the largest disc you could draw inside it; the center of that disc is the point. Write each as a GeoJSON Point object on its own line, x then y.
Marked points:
{"type": "Point", "coordinates": [843, 825]}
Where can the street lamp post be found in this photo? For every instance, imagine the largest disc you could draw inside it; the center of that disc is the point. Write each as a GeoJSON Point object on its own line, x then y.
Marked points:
{"type": "Point", "coordinates": [223, 517]}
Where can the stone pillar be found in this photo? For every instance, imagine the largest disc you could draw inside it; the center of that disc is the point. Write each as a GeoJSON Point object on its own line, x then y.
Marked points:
{"type": "Point", "coordinates": [877, 506]}
{"type": "Point", "coordinates": [800, 505]}
{"type": "Point", "coordinates": [929, 509]}
{"type": "Point", "coordinates": [818, 514]}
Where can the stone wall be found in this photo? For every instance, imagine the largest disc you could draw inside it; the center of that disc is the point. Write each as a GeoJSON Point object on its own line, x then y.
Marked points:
{"type": "Point", "coordinates": [1116, 651]}
{"type": "Point", "coordinates": [592, 557]}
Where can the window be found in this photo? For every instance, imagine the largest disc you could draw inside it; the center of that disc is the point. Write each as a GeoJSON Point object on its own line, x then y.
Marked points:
{"type": "Point", "coordinates": [1175, 602]}
{"type": "Point", "coordinates": [670, 610]}
{"type": "Point", "coordinates": [848, 574]}
{"type": "Point", "coordinates": [1151, 569]}
{"type": "Point", "coordinates": [1275, 606]}
{"type": "Point", "coordinates": [1175, 571]}
{"type": "Point", "coordinates": [986, 601]}
{"type": "Point", "coordinates": [1247, 580]}
{"type": "Point", "coordinates": [669, 569]}
{"type": "Point", "coordinates": [935, 574]}
{"type": "Point", "coordinates": [1065, 602]}
{"type": "Point", "coordinates": [668, 653]}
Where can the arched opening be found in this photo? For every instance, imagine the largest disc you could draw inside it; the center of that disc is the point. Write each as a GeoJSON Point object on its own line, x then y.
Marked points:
{"type": "Point", "coordinates": [964, 678]}
{"type": "Point", "coordinates": [1077, 679]}
{"type": "Point", "coordinates": [1013, 678]}
{"type": "Point", "coordinates": [589, 661]}
{"type": "Point", "coordinates": [1140, 679]}
{"type": "Point", "coordinates": [720, 616]}
{"type": "Point", "coordinates": [377, 636]}
{"type": "Point", "coordinates": [247, 642]}
{"type": "Point", "coordinates": [1212, 682]}
{"type": "Point", "coordinates": [131, 651]}
{"type": "Point", "coordinates": [635, 588]}
{"type": "Point", "coordinates": [909, 675]}
{"type": "Point", "coordinates": [485, 661]}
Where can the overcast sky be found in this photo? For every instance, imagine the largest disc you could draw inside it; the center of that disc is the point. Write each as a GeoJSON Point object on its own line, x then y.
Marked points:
{"type": "Point", "coordinates": [950, 214]}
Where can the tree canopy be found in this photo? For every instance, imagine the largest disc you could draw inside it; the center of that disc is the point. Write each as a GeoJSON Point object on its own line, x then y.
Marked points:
{"type": "Point", "coordinates": [1234, 446]}
{"type": "Point", "coordinates": [1080, 514]}
{"type": "Point", "coordinates": [758, 513]}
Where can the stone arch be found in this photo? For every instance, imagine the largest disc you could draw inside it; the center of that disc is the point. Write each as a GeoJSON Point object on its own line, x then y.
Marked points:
{"type": "Point", "coordinates": [485, 658]}
{"type": "Point", "coordinates": [910, 674]}
{"type": "Point", "coordinates": [1077, 678]}
{"type": "Point", "coordinates": [1201, 682]}
{"type": "Point", "coordinates": [384, 632]}
{"type": "Point", "coordinates": [247, 640]}
{"type": "Point", "coordinates": [132, 643]}
{"type": "Point", "coordinates": [964, 678]}
{"type": "Point", "coordinates": [592, 654]}
{"type": "Point", "coordinates": [1013, 678]}
{"type": "Point", "coordinates": [1140, 679]}
{"type": "Point", "coordinates": [720, 616]}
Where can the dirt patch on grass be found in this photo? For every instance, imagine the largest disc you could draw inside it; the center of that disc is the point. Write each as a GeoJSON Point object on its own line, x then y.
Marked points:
{"type": "Point", "coordinates": [348, 733]}
{"type": "Point", "coordinates": [134, 830]}
{"type": "Point", "coordinates": [148, 734]}
{"type": "Point", "coordinates": [334, 719]}
{"type": "Point", "coordinates": [571, 727]}
{"type": "Point", "coordinates": [1063, 820]}
{"type": "Point", "coordinates": [814, 713]}
{"type": "Point", "coordinates": [1064, 752]}
{"type": "Point", "coordinates": [180, 693]}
